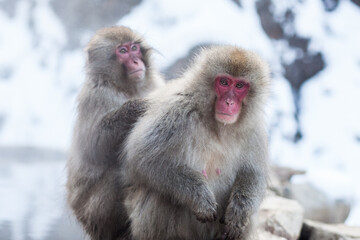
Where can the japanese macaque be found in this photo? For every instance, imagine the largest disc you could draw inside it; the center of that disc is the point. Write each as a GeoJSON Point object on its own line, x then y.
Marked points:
{"type": "Point", "coordinates": [119, 68]}
{"type": "Point", "coordinates": [196, 160]}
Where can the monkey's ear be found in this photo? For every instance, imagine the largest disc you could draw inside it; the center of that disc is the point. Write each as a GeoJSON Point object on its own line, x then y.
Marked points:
{"type": "Point", "coordinates": [90, 55]}
{"type": "Point", "coordinates": [93, 54]}
{"type": "Point", "coordinates": [98, 48]}
{"type": "Point", "coordinates": [90, 52]}
{"type": "Point", "coordinates": [87, 52]}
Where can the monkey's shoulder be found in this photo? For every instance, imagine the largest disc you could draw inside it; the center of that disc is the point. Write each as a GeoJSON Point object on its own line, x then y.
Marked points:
{"type": "Point", "coordinates": [182, 111]}
{"type": "Point", "coordinates": [169, 124]}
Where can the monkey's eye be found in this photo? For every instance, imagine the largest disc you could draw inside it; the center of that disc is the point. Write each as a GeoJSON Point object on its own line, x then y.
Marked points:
{"type": "Point", "coordinates": [134, 48]}
{"type": "Point", "coordinates": [239, 85]}
{"type": "Point", "coordinates": [223, 82]}
{"type": "Point", "coordinates": [122, 50]}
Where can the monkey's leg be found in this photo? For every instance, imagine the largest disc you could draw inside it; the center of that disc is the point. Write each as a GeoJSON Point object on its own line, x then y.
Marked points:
{"type": "Point", "coordinates": [154, 218]}
{"type": "Point", "coordinates": [102, 213]}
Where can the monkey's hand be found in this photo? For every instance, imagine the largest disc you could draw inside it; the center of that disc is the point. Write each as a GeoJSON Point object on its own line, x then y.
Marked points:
{"type": "Point", "coordinates": [237, 218]}
{"type": "Point", "coordinates": [205, 206]}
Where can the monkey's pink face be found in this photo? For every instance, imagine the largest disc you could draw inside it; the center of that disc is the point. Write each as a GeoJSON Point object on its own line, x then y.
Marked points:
{"type": "Point", "coordinates": [230, 92]}
{"type": "Point", "coordinates": [129, 54]}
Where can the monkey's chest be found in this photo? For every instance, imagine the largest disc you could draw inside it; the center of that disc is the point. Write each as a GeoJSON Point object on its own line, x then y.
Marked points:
{"type": "Point", "coordinates": [212, 166]}
{"type": "Point", "coordinates": [219, 173]}
{"type": "Point", "coordinates": [215, 166]}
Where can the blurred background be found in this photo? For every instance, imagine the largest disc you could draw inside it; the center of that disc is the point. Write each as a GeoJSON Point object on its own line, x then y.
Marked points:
{"type": "Point", "coordinates": [313, 47]}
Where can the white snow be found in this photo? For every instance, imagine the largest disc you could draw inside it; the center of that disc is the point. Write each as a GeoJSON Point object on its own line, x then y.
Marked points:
{"type": "Point", "coordinates": [36, 102]}
{"type": "Point", "coordinates": [174, 28]}
{"type": "Point", "coordinates": [37, 99]}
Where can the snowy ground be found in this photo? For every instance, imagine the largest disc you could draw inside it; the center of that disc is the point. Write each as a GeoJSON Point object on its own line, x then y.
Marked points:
{"type": "Point", "coordinates": [39, 82]}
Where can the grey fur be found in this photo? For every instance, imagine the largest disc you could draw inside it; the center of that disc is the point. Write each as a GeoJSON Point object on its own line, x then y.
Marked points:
{"type": "Point", "coordinates": [94, 185]}
{"type": "Point", "coordinates": [177, 137]}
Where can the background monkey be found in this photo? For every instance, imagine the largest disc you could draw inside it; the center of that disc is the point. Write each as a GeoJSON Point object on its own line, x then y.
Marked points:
{"type": "Point", "coordinates": [118, 69]}
{"type": "Point", "coordinates": [197, 157]}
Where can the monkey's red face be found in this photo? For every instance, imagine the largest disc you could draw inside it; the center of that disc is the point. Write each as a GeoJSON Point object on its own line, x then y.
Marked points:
{"type": "Point", "coordinates": [230, 92]}
{"type": "Point", "coordinates": [129, 54]}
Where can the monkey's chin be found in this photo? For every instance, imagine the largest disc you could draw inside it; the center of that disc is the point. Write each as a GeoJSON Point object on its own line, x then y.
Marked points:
{"type": "Point", "coordinates": [137, 76]}
{"type": "Point", "coordinates": [226, 118]}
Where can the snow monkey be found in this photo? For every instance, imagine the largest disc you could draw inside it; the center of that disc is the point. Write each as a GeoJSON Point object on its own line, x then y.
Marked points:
{"type": "Point", "coordinates": [119, 68]}
{"type": "Point", "coordinates": [195, 162]}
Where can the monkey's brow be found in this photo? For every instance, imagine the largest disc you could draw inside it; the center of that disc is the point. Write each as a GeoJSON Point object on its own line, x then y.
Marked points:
{"type": "Point", "coordinates": [185, 94]}
{"type": "Point", "coordinates": [138, 41]}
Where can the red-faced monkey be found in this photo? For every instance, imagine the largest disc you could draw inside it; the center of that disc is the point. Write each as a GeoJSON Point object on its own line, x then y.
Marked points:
{"type": "Point", "coordinates": [196, 159]}
{"type": "Point", "coordinates": [119, 68]}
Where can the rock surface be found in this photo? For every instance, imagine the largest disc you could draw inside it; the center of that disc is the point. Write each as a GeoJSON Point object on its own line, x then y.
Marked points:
{"type": "Point", "coordinates": [317, 205]}
{"type": "Point", "coordinates": [319, 231]}
{"type": "Point", "coordinates": [264, 235]}
{"type": "Point", "coordinates": [280, 218]}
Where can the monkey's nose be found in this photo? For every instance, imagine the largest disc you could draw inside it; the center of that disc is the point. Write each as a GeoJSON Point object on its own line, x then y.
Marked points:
{"type": "Point", "coordinates": [229, 102]}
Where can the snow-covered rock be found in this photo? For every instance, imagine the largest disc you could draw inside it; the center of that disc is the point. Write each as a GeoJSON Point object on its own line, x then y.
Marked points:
{"type": "Point", "coordinates": [281, 217]}
{"type": "Point", "coordinates": [313, 230]}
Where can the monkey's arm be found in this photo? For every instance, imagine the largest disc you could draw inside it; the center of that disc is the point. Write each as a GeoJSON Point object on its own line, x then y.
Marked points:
{"type": "Point", "coordinates": [114, 128]}
{"type": "Point", "coordinates": [158, 164]}
{"type": "Point", "coordinates": [247, 193]}
{"type": "Point", "coordinates": [181, 185]}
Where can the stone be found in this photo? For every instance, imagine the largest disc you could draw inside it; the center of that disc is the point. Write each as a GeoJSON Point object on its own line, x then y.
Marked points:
{"type": "Point", "coordinates": [313, 230]}
{"type": "Point", "coordinates": [280, 217]}
{"type": "Point", "coordinates": [280, 177]}
{"type": "Point", "coordinates": [264, 235]}
{"type": "Point", "coordinates": [285, 174]}
{"type": "Point", "coordinates": [317, 204]}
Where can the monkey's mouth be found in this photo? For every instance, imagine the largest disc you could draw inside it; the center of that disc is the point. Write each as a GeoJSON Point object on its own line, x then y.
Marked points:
{"type": "Point", "coordinates": [226, 114]}
{"type": "Point", "coordinates": [138, 74]}
{"type": "Point", "coordinates": [136, 71]}
{"type": "Point", "coordinates": [226, 118]}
